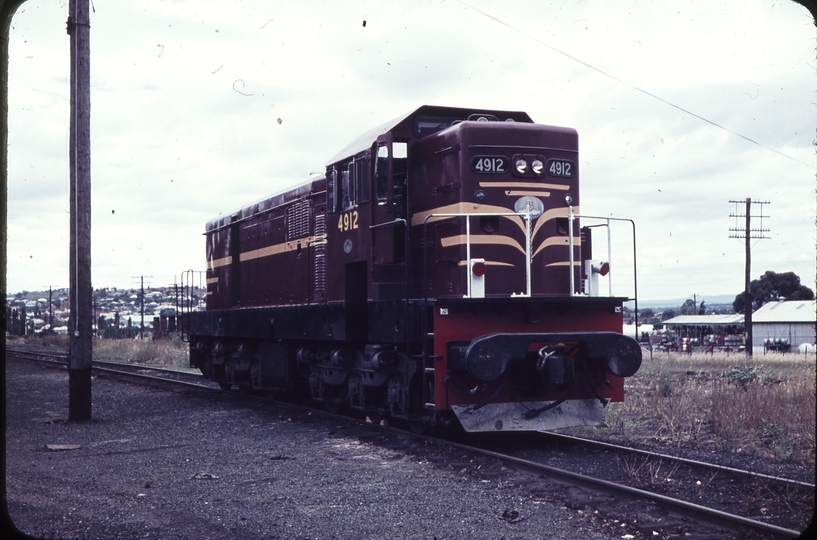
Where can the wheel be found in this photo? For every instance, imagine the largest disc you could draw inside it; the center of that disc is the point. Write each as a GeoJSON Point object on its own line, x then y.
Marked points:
{"type": "Point", "coordinates": [224, 385]}
{"type": "Point", "coordinates": [419, 425]}
{"type": "Point", "coordinates": [375, 417]}
{"type": "Point", "coordinates": [333, 406]}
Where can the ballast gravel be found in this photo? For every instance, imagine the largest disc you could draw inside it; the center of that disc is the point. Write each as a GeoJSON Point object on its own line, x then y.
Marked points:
{"type": "Point", "coordinates": [173, 464]}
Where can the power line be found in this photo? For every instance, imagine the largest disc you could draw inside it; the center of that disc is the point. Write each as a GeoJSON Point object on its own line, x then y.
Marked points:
{"type": "Point", "coordinates": [621, 81]}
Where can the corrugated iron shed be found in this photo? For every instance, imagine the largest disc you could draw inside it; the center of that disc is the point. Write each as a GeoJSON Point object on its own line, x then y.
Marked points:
{"type": "Point", "coordinates": [791, 311]}
{"type": "Point", "coordinates": [705, 320]}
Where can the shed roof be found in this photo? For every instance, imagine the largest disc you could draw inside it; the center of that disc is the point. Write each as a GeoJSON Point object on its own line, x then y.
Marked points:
{"type": "Point", "coordinates": [803, 311]}
{"type": "Point", "coordinates": [706, 320]}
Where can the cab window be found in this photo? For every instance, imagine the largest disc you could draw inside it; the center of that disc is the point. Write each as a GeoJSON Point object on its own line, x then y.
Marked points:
{"type": "Point", "coordinates": [348, 187]}
{"type": "Point", "coordinates": [332, 190]}
{"type": "Point", "coordinates": [362, 175]}
{"type": "Point", "coordinates": [382, 172]}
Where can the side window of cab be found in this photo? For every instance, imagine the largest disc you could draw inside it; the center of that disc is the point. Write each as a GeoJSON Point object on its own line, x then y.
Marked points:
{"type": "Point", "coordinates": [382, 172]}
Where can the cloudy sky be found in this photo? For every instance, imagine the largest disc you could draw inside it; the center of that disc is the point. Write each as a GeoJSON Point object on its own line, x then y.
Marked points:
{"type": "Point", "coordinates": [199, 108]}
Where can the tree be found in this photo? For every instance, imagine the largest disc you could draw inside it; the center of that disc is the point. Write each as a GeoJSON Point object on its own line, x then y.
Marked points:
{"type": "Point", "coordinates": [667, 314]}
{"type": "Point", "coordinates": [689, 307]}
{"type": "Point", "coordinates": [771, 287]}
{"type": "Point", "coordinates": [702, 309]}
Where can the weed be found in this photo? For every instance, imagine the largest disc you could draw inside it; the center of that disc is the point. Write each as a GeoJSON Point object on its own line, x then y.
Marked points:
{"type": "Point", "coordinates": [171, 353]}
{"type": "Point", "coordinates": [766, 408]}
{"type": "Point", "coordinates": [742, 376]}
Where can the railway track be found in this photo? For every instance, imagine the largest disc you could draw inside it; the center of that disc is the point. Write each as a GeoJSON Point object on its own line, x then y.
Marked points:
{"type": "Point", "coordinates": [725, 497]}
{"type": "Point", "coordinates": [121, 369]}
{"type": "Point", "coordinates": [663, 515]}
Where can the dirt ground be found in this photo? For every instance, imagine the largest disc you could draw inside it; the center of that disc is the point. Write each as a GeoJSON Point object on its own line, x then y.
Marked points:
{"type": "Point", "coordinates": [172, 464]}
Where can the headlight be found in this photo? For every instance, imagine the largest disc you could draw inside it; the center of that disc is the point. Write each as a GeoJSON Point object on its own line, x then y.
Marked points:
{"type": "Point", "coordinates": [521, 166]}
{"type": "Point", "coordinates": [537, 166]}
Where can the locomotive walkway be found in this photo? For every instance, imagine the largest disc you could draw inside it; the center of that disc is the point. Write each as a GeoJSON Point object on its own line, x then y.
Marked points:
{"type": "Point", "coordinates": [159, 463]}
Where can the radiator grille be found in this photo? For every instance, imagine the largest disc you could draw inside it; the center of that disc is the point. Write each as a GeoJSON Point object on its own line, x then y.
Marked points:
{"type": "Point", "coordinates": [298, 220]}
{"type": "Point", "coordinates": [320, 253]}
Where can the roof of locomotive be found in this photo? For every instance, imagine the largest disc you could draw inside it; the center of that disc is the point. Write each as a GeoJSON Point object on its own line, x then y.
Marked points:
{"type": "Point", "coordinates": [404, 126]}
{"type": "Point", "coordinates": [266, 204]}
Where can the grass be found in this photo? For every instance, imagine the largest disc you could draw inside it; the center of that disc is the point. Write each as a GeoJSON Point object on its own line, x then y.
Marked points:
{"type": "Point", "coordinates": [764, 407]}
{"type": "Point", "coordinates": [170, 353]}
{"type": "Point", "coordinates": [57, 341]}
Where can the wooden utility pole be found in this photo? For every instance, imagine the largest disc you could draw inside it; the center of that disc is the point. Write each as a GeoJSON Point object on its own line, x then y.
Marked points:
{"type": "Point", "coordinates": [81, 325]}
{"type": "Point", "coordinates": [748, 233]}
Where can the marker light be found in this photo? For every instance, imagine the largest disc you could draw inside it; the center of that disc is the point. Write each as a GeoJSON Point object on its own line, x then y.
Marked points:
{"type": "Point", "coordinates": [478, 269]}
{"type": "Point", "coordinates": [537, 166]}
{"type": "Point", "coordinates": [521, 166]}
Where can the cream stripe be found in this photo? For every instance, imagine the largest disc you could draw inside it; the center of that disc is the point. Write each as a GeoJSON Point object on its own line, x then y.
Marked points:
{"type": "Point", "coordinates": [557, 241]}
{"type": "Point", "coordinates": [490, 263]}
{"type": "Point", "coordinates": [563, 187]}
{"type": "Point", "coordinates": [224, 261]}
{"type": "Point", "coordinates": [466, 208]}
{"type": "Point", "coordinates": [278, 248]}
{"type": "Point", "coordinates": [512, 193]}
{"type": "Point", "coordinates": [459, 240]}
{"type": "Point", "coordinates": [212, 280]}
{"type": "Point", "coordinates": [553, 213]}
{"type": "Point", "coordinates": [564, 263]}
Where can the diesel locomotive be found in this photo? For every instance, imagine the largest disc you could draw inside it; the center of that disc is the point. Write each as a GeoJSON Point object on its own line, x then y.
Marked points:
{"type": "Point", "coordinates": [437, 272]}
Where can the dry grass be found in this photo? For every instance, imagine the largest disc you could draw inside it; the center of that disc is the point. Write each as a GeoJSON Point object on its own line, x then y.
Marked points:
{"type": "Point", "coordinates": [169, 353]}
{"type": "Point", "coordinates": [40, 340]}
{"type": "Point", "coordinates": [765, 407]}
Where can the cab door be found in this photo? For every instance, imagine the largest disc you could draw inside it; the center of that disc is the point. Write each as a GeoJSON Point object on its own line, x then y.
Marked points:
{"type": "Point", "coordinates": [347, 228]}
{"type": "Point", "coordinates": [389, 208]}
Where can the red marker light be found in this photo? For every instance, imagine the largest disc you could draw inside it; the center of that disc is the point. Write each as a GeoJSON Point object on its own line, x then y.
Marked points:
{"type": "Point", "coordinates": [604, 269]}
{"type": "Point", "coordinates": [478, 269]}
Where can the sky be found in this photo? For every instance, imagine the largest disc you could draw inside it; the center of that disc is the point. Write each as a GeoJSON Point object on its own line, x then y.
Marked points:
{"type": "Point", "coordinates": [199, 108]}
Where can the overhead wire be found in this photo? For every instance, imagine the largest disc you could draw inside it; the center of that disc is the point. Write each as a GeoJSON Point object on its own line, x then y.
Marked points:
{"type": "Point", "coordinates": [632, 86]}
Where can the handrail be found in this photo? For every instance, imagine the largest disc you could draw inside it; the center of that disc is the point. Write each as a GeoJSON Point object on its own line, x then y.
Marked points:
{"type": "Point", "coordinates": [607, 219]}
{"type": "Point", "coordinates": [528, 259]}
{"type": "Point", "coordinates": [188, 285]}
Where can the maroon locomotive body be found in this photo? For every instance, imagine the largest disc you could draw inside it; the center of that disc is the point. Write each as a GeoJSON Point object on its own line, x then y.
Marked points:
{"type": "Point", "coordinates": [437, 270]}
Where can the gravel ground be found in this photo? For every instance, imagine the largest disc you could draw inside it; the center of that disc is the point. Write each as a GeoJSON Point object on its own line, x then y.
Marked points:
{"type": "Point", "coordinates": [157, 463]}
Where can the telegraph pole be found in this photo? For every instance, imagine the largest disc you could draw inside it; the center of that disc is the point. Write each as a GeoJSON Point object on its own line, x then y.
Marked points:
{"type": "Point", "coordinates": [142, 309]}
{"type": "Point", "coordinates": [80, 325]}
{"type": "Point", "coordinates": [50, 311]}
{"type": "Point", "coordinates": [142, 305]}
{"type": "Point", "coordinates": [749, 234]}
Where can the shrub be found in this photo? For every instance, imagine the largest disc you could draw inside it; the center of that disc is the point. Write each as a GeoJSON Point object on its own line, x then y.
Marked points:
{"type": "Point", "coordinates": [766, 408]}
{"type": "Point", "coordinates": [171, 353]}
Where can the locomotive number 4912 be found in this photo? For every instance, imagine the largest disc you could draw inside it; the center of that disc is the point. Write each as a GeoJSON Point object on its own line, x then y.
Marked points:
{"type": "Point", "coordinates": [347, 221]}
{"type": "Point", "coordinates": [489, 164]}
{"type": "Point", "coordinates": [560, 167]}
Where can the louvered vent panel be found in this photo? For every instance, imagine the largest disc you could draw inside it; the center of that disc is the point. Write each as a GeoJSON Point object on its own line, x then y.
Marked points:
{"type": "Point", "coordinates": [298, 220]}
{"type": "Point", "coordinates": [320, 253]}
